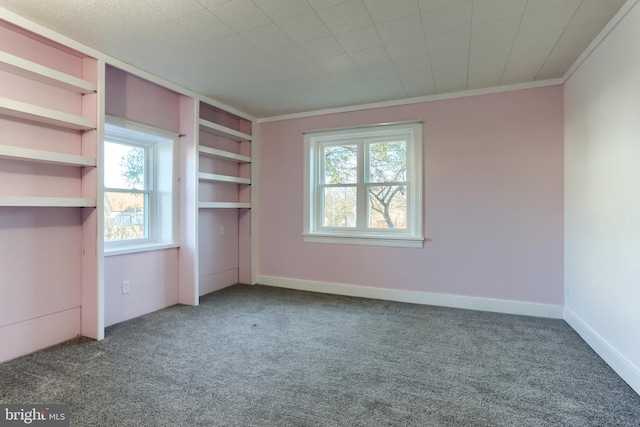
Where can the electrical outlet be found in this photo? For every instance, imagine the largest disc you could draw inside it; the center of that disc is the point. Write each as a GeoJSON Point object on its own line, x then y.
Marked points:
{"type": "Point", "coordinates": [126, 286]}
{"type": "Point", "coordinates": [222, 230]}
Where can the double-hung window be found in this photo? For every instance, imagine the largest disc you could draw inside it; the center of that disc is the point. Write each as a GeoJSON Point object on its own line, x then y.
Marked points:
{"type": "Point", "coordinates": [139, 187]}
{"type": "Point", "coordinates": [363, 185]}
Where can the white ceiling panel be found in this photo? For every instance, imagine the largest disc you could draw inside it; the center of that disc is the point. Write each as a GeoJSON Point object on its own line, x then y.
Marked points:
{"type": "Point", "coordinates": [450, 79]}
{"type": "Point", "coordinates": [450, 58]}
{"type": "Point", "coordinates": [447, 18]}
{"type": "Point", "coordinates": [279, 10]}
{"type": "Point", "coordinates": [267, 38]}
{"type": "Point", "coordinates": [240, 14]}
{"type": "Point", "coordinates": [305, 27]}
{"type": "Point", "coordinates": [449, 40]}
{"type": "Point", "coordinates": [429, 5]}
{"type": "Point", "coordinates": [495, 31]}
{"type": "Point", "coordinates": [323, 47]}
{"type": "Point", "coordinates": [385, 10]}
{"type": "Point", "coordinates": [346, 17]}
{"type": "Point", "coordinates": [494, 10]}
{"type": "Point", "coordinates": [547, 19]}
{"type": "Point", "coordinates": [336, 63]}
{"type": "Point", "coordinates": [407, 48]}
{"type": "Point", "coordinates": [400, 29]}
{"type": "Point", "coordinates": [273, 57]}
{"type": "Point", "coordinates": [374, 55]}
{"type": "Point", "coordinates": [205, 25]}
{"type": "Point", "coordinates": [359, 39]}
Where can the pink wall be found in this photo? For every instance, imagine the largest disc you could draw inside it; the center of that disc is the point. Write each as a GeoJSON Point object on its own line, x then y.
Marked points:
{"type": "Point", "coordinates": [493, 201]}
{"type": "Point", "coordinates": [136, 99]}
{"type": "Point", "coordinates": [153, 275]}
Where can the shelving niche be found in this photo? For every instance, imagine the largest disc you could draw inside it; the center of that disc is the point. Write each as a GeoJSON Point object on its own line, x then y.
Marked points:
{"type": "Point", "coordinates": [50, 119]}
{"type": "Point", "coordinates": [223, 198]}
{"type": "Point", "coordinates": [36, 115]}
{"type": "Point", "coordinates": [225, 141]}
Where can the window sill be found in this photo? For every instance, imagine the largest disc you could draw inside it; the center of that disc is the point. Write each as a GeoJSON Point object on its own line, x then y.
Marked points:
{"type": "Point", "coordinates": [132, 249]}
{"type": "Point", "coordinates": [365, 240]}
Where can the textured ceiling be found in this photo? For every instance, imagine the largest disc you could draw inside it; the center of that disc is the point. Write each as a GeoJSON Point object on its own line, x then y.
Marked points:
{"type": "Point", "coordinates": [274, 57]}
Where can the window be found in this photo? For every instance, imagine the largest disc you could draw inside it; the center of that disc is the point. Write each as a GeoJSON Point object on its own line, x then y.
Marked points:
{"type": "Point", "coordinates": [139, 186]}
{"type": "Point", "coordinates": [363, 185]}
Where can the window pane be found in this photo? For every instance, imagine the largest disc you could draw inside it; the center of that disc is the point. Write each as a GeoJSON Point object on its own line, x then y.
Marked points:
{"type": "Point", "coordinates": [124, 166]}
{"type": "Point", "coordinates": [339, 207]}
{"type": "Point", "coordinates": [388, 206]}
{"type": "Point", "coordinates": [388, 161]}
{"type": "Point", "coordinates": [124, 216]}
{"type": "Point", "coordinates": [341, 164]}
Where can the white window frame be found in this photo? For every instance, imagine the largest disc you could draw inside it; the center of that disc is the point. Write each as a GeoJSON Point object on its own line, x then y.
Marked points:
{"type": "Point", "coordinates": [315, 232]}
{"type": "Point", "coordinates": [161, 184]}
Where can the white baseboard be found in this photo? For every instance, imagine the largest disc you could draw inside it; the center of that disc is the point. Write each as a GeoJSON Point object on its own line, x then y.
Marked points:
{"type": "Point", "coordinates": [627, 371]}
{"type": "Point", "coordinates": [444, 300]}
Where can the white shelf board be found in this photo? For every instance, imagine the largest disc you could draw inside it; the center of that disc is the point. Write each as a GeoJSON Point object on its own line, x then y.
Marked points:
{"type": "Point", "coordinates": [216, 129]}
{"type": "Point", "coordinates": [31, 70]}
{"type": "Point", "coordinates": [47, 201]}
{"type": "Point", "coordinates": [224, 155]}
{"type": "Point", "coordinates": [222, 178]}
{"type": "Point", "coordinates": [227, 205]}
{"type": "Point", "coordinates": [22, 110]}
{"type": "Point", "coordinates": [39, 156]}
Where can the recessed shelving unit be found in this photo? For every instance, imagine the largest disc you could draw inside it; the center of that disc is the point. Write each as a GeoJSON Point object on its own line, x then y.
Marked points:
{"type": "Point", "coordinates": [213, 177]}
{"type": "Point", "coordinates": [25, 201]}
{"type": "Point", "coordinates": [34, 113]}
{"type": "Point", "coordinates": [40, 156]}
{"type": "Point", "coordinates": [225, 132]}
{"type": "Point", "coordinates": [31, 70]}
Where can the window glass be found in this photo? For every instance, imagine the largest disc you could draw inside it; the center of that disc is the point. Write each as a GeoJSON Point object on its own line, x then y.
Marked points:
{"type": "Point", "coordinates": [139, 183]}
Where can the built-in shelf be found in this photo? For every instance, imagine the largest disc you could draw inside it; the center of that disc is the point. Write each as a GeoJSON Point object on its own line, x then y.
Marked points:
{"type": "Point", "coordinates": [224, 155]}
{"type": "Point", "coordinates": [31, 70]}
{"type": "Point", "coordinates": [214, 177]}
{"type": "Point", "coordinates": [39, 156]}
{"type": "Point", "coordinates": [229, 205]}
{"type": "Point", "coordinates": [216, 129]}
{"type": "Point", "coordinates": [22, 110]}
{"type": "Point", "coordinates": [47, 201]}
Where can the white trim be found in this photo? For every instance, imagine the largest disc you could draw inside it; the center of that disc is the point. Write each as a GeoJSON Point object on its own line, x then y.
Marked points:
{"type": "Point", "coordinates": [255, 203]}
{"type": "Point", "coordinates": [623, 367]}
{"type": "Point", "coordinates": [345, 128]}
{"type": "Point", "coordinates": [602, 35]}
{"type": "Point", "coordinates": [140, 248]}
{"type": "Point", "coordinates": [224, 155]}
{"type": "Point", "coordinates": [49, 157]}
{"type": "Point", "coordinates": [394, 241]}
{"type": "Point", "coordinates": [223, 131]}
{"type": "Point", "coordinates": [35, 113]}
{"type": "Point", "coordinates": [225, 205]}
{"type": "Point", "coordinates": [417, 100]}
{"type": "Point", "coordinates": [416, 297]}
{"type": "Point", "coordinates": [361, 135]}
{"type": "Point", "coordinates": [52, 202]}
{"type": "Point", "coordinates": [215, 177]}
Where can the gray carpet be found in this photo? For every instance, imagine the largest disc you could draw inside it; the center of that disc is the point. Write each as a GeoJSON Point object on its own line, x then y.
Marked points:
{"type": "Point", "coordinates": [259, 356]}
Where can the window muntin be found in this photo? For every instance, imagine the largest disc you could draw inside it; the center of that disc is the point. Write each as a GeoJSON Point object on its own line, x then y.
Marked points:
{"type": "Point", "coordinates": [140, 186]}
{"type": "Point", "coordinates": [364, 184]}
